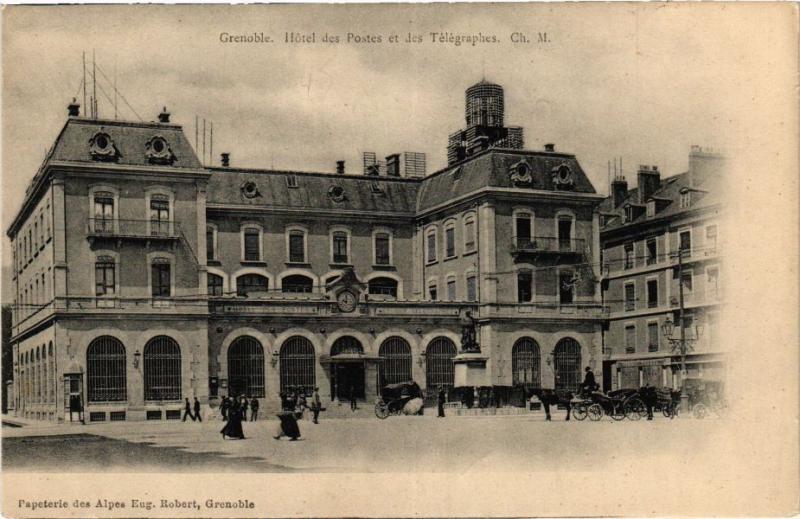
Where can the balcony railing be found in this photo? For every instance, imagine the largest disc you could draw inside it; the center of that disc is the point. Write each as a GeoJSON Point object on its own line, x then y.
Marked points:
{"type": "Point", "coordinates": [549, 246]}
{"type": "Point", "coordinates": [142, 229]}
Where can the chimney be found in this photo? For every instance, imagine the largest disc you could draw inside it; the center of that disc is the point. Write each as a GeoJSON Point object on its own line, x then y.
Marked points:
{"type": "Point", "coordinates": [393, 165]}
{"type": "Point", "coordinates": [340, 167]}
{"type": "Point", "coordinates": [163, 117]}
{"type": "Point", "coordinates": [74, 108]}
{"type": "Point", "coordinates": [619, 190]}
{"type": "Point", "coordinates": [549, 147]}
{"type": "Point", "coordinates": [706, 165]}
{"type": "Point", "coordinates": [648, 180]}
{"type": "Point", "coordinates": [225, 160]}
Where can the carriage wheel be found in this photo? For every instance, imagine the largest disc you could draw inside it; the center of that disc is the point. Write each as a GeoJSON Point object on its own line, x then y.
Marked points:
{"type": "Point", "coordinates": [633, 409]}
{"type": "Point", "coordinates": [595, 412]}
{"type": "Point", "coordinates": [381, 411]}
{"type": "Point", "coordinates": [579, 412]}
{"type": "Point", "coordinates": [668, 411]}
{"type": "Point", "coordinates": [699, 411]}
{"type": "Point", "coordinates": [618, 413]}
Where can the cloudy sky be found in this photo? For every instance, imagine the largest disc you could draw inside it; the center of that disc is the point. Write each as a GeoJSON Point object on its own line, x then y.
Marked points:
{"type": "Point", "coordinates": [641, 82]}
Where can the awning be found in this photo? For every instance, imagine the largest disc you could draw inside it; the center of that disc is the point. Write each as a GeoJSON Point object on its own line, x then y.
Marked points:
{"type": "Point", "coordinates": [663, 361]}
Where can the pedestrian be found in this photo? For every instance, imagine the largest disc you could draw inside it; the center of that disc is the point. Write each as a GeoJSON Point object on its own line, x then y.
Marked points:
{"type": "Point", "coordinates": [224, 405]}
{"type": "Point", "coordinates": [292, 398]}
{"type": "Point", "coordinates": [440, 400]}
{"type": "Point", "coordinates": [254, 409]}
{"type": "Point", "coordinates": [302, 404]}
{"type": "Point", "coordinates": [284, 396]}
{"type": "Point", "coordinates": [287, 426]}
{"type": "Point", "coordinates": [197, 410]}
{"type": "Point", "coordinates": [316, 404]}
{"type": "Point", "coordinates": [233, 428]}
{"type": "Point", "coordinates": [187, 411]}
{"type": "Point", "coordinates": [589, 385]}
{"type": "Point", "coordinates": [243, 407]}
{"type": "Point", "coordinates": [353, 398]}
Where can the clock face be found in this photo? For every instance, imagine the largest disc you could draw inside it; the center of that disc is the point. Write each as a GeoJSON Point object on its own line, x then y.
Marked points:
{"type": "Point", "coordinates": [347, 301]}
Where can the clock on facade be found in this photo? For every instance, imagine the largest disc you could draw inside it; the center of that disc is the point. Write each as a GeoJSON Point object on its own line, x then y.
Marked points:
{"type": "Point", "coordinates": [346, 301]}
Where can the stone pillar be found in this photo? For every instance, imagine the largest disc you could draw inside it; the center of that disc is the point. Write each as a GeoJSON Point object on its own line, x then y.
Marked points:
{"type": "Point", "coordinates": [488, 253]}
{"type": "Point", "coordinates": [370, 381]}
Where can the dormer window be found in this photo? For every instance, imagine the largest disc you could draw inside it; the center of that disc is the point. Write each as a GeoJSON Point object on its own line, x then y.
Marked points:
{"type": "Point", "coordinates": [101, 147]}
{"type": "Point", "coordinates": [336, 193]}
{"type": "Point", "coordinates": [157, 151]}
{"type": "Point", "coordinates": [686, 199]}
{"type": "Point", "coordinates": [291, 181]}
{"type": "Point", "coordinates": [651, 208]}
{"type": "Point", "coordinates": [628, 213]}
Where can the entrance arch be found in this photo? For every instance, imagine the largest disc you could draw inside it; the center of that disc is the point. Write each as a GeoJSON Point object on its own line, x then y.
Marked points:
{"type": "Point", "coordinates": [396, 366]}
{"type": "Point", "coordinates": [246, 368]}
{"type": "Point", "coordinates": [567, 364]}
{"type": "Point", "coordinates": [347, 368]}
{"type": "Point", "coordinates": [297, 364]}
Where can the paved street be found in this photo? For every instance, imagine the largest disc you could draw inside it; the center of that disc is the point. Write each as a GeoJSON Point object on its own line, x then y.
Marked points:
{"type": "Point", "coordinates": [397, 444]}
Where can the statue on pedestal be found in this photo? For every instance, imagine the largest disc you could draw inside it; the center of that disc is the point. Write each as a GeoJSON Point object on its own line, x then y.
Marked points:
{"type": "Point", "coordinates": [469, 341]}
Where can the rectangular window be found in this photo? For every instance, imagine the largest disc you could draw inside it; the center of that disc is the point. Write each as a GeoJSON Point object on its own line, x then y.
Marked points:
{"type": "Point", "coordinates": [652, 337]}
{"type": "Point", "coordinates": [652, 293]}
{"type": "Point", "coordinates": [711, 239]}
{"type": "Point", "coordinates": [472, 288]}
{"type": "Point", "coordinates": [382, 249]}
{"type": "Point", "coordinates": [686, 199]}
{"type": "Point", "coordinates": [431, 247]}
{"type": "Point", "coordinates": [161, 279]}
{"type": "Point", "coordinates": [103, 212]}
{"type": "Point", "coordinates": [630, 297]}
{"type": "Point", "coordinates": [685, 243]}
{"type": "Point", "coordinates": [41, 229]}
{"type": "Point", "coordinates": [210, 245]}
{"type": "Point", "coordinates": [523, 229]}
{"type": "Point", "coordinates": [104, 277]}
{"type": "Point", "coordinates": [652, 251]}
{"type": "Point", "coordinates": [686, 281]}
{"type": "Point", "coordinates": [159, 216]}
{"type": "Point", "coordinates": [252, 251]}
{"type": "Point", "coordinates": [469, 236]}
{"type": "Point", "coordinates": [630, 339]}
{"type": "Point", "coordinates": [297, 249]}
{"type": "Point", "coordinates": [433, 293]}
{"type": "Point", "coordinates": [712, 283]}
{"type": "Point", "coordinates": [565, 233]}
{"type": "Point", "coordinates": [524, 286]}
{"type": "Point", "coordinates": [566, 287]}
{"type": "Point", "coordinates": [629, 259]}
{"type": "Point", "coordinates": [451, 290]}
{"type": "Point", "coordinates": [340, 247]}
{"type": "Point", "coordinates": [215, 287]}
{"type": "Point", "coordinates": [450, 241]}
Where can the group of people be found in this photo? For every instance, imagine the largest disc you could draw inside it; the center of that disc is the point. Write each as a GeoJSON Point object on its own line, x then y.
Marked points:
{"type": "Point", "coordinates": [234, 412]}
{"type": "Point", "coordinates": [187, 410]}
{"type": "Point", "coordinates": [293, 399]}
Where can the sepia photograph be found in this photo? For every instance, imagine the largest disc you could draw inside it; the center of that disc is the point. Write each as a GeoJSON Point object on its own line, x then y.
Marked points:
{"type": "Point", "coordinates": [403, 259]}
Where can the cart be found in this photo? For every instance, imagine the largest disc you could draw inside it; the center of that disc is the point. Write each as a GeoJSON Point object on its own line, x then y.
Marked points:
{"type": "Point", "coordinates": [394, 398]}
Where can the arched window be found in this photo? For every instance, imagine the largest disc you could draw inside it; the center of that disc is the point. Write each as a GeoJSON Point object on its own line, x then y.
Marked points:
{"type": "Point", "coordinates": [251, 283]}
{"type": "Point", "coordinates": [396, 366]}
{"type": "Point", "coordinates": [346, 344]}
{"type": "Point", "coordinates": [567, 364]}
{"type": "Point", "coordinates": [246, 368]}
{"type": "Point", "coordinates": [105, 370]}
{"type": "Point", "coordinates": [162, 369]}
{"type": "Point", "coordinates": [439, 370]}
{"type": "Point", "coordinates": [215, 285]}
{"type": "Point", "coordinates": [526, 363]}
{"type": "Point", "coordinates": [383, 286]}
{"type": "Point", "coordinates": [297, 283]}
{"type": "Point", "coordinates": [52, 372]}
{"type": "Point", "coordinates": [297, 363]}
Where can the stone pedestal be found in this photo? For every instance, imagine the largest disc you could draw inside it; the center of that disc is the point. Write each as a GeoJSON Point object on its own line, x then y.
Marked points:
{"type": "Point", "coordinates": [470, 370]}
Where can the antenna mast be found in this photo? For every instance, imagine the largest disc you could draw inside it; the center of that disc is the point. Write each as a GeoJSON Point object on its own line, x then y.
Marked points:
{"type": "Point", "coordinates": [204, 140]}
{"type": "Point", "coordinates": [94, 86]}
{"type": "Point", "coordinates": [85, 106]}
{"type": "Point", "coordinates": [211, 147]}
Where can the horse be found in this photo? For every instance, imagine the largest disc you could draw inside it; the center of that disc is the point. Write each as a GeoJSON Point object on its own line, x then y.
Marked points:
{"type": "Point", "coordinates": [550, 397]}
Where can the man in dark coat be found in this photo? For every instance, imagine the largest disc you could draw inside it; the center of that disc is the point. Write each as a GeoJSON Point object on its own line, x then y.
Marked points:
{"type": "Point", "coordinates": [589, 383]}
{"type": "Point", "coordinates": [187, 411]}
{"type": "Point", "coordinates": [197, 410]}
{"type": "Point", "coordinates": [440, 398]}
{"type": "Point", "coordinates": [316, 404]}
{"type": "Point", "coordinates": [223, 407]}
{"type": "Point", "coordinates": [254, 409]}
{"type": "Point", "coordinates": [353, 406]}
{"type": "Point", "coordinates": [243, 406]}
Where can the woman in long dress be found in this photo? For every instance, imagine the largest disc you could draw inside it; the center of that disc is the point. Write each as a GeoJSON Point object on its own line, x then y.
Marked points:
{"type": "Point", "coordinates": [233, 428]}
{"type": "Point", "coordinates": [287, 426]}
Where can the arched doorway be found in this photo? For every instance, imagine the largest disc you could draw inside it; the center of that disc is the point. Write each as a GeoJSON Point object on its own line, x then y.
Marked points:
{"type": "Point", "coordinates": [162, 369]}
{"type": "Point", "coordinates": [347, 368]}
{"type": "Point", "coordinates": [246, 368]}
{"type": "Point", "coordinates": [567, 364]}
{"type": "Point", "coordinates": [526, 364]}
{"type": "Point", "coordinates": [396, 367]}
{"type": "Point", "coordinates": [297, 364]}
{"type": "Point", "coordinates": [439, 370]}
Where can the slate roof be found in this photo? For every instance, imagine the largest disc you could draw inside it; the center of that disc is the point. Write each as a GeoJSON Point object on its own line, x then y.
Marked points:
{"type": "Point", "coordinates": [128, 137]}
{"type": "Point", "coordinates": [491, 168]}
{"type": "Point", "coordinates": [396, 195]}
{"type": "Point", "coordinates": [702, 196]}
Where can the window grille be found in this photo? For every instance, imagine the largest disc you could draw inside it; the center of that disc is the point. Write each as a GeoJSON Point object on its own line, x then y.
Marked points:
{"type": "Point", "coordinates": [439, 369]}
{"type": "Point", "coordinates": [97, 417]}
{"type": "Point", "coordinates": [246, 368]}
{"type": "Point", "coordinates": [162, 369]}
{"type": "Point", "coordinates": [297, 364]}
{"type": "Point", "coordinates": [396, 366]}
{"type": "Point", "coordinates": [105, 370]}
{"type": "Point", "coordinates": [567, 364]}
{"type": "Point", "coordinates": [117, 416]}
{"type": "Point", "coordinates": [297, 284]}
{"type": "Point", "coordinates": [526, 363]}
{"type": "Point", "coordinates": [173, 414]}
{"type": "Point", "coordinates": [154, 415]}
{"type": "Point", "coordinates": [346, 344]}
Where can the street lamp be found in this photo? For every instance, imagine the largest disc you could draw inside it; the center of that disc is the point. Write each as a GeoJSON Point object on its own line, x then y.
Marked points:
{"type": "Point", "coordinates": [136, 356]}
{"type": "Point", "coordinates": [682, 344]}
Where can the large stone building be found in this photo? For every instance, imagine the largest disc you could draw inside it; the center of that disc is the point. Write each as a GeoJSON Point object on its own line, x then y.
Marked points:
{"type": "Point", "coordinates": [142, 278]}
{"type": "Point", "coordinates": [643, 231]}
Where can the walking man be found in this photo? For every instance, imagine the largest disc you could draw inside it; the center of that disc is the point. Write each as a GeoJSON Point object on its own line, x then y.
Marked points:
{"type": "Point", "coordinates": [440, 400]}
{"type": "Point", "coordinates": [254, 409]}
{"type": "Point", "coordinates": [243, 404]}
{"type": "Point", "coordinates": [353, 398]}
{"type": "Point", "coordinates": [197, 410]}
{"type": "Point", "coordinates": [187, 411]}
{"type": "Point", "coordinates": [316, 404]}
{"type": "Point", "coordinates": [223, 407]}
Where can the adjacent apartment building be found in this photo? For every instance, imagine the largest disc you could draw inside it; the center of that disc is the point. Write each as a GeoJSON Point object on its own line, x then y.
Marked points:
{"type": "Point", "coordinates": [142, 277]}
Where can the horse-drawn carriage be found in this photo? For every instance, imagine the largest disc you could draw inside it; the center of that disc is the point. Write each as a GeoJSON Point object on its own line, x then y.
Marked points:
{"type": "Point", "coordinates": [617, 404]}
{"type": "Point", "coordinates": [401, 398]}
